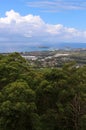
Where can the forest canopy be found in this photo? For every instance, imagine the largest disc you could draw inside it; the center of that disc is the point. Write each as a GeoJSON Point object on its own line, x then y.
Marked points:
{"type": "Point", "coordinates": [41, 99]}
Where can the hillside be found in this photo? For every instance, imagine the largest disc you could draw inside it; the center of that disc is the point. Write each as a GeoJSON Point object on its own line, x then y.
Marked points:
{"type": "Point", "coordinates": [55, 58]}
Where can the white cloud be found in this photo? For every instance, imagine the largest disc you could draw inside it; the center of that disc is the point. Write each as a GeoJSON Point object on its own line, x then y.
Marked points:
{"type": "Point", "coordinates": [58, 5]}
{"type": "Point", "coordinates": [32, 29]}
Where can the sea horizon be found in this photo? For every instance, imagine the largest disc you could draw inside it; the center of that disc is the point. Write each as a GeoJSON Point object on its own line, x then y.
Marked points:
{"type": "Point", "coordinates": [8, 48]}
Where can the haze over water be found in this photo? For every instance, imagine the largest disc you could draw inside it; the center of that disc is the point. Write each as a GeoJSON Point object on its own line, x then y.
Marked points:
{"type": "Point", "coordinates": [27, 48]}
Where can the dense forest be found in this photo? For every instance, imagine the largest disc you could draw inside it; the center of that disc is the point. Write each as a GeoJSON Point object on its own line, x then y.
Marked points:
{"type": "Point", "coordinates": [41, 98]}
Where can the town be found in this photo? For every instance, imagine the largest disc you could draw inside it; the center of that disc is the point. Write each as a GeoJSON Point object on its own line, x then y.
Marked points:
{"type": "Point", "coordinates": [55, 58]}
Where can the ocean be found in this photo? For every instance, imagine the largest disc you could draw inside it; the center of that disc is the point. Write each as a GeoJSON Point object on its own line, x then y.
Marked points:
{"type": "Point", "coordinates": [5, 48]}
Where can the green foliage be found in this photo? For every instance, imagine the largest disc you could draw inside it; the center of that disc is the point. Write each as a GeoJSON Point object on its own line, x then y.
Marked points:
{"type": "Point", "coordinates": [50, 99]}
{"type": "Point", "coordinates": [17, 104]}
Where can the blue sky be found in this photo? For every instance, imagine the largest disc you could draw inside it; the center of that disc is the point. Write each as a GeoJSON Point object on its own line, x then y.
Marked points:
{"type": "Point", "coordinates": [36, 22]}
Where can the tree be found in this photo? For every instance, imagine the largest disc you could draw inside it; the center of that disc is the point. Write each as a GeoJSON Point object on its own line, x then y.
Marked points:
{"type": "Point", "coordinates": [17, 107]}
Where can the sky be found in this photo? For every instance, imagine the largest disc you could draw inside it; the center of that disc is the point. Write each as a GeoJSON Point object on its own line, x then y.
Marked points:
{"type": "Point", "coordinates": [41, 22]}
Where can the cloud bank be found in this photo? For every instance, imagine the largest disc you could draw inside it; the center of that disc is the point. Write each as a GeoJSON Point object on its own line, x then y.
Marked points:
{"type": "Point", "coordinates": [33, 30]}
